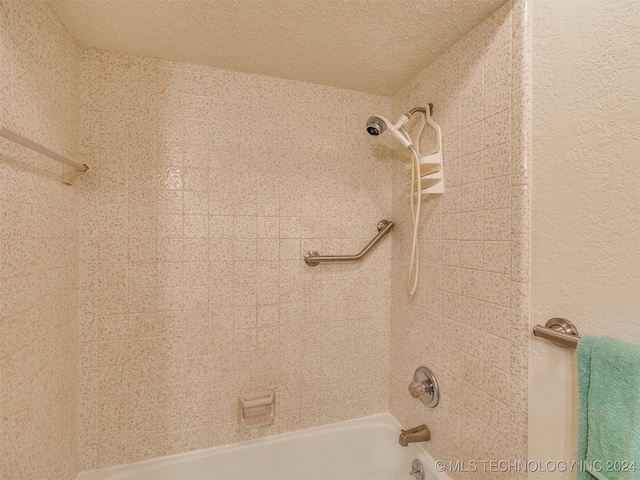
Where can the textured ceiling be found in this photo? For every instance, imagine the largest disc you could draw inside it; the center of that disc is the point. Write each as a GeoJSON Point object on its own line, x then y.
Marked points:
{"type": "Point", "coordinates": [369, 45]}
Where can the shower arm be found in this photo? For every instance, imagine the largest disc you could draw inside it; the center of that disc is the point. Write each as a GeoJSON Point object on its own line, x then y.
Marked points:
{"type": "Point", "coordinates": [313, 258]}
{"type": "Point", "coordinates": [421, 110]}
{"type": "Point", "coordinates": [428, 119]}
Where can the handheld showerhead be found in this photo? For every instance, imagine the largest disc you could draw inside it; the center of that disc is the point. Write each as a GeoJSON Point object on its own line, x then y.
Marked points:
{"type": "Point", "coordinates": [376, 126]}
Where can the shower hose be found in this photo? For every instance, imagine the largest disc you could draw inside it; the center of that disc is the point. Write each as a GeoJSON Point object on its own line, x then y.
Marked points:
{"type": "Point", "coordinates": [415, 195]}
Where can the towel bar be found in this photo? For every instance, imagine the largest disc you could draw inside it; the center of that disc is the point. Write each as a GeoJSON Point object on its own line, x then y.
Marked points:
{"type": "Point", "coordinates": [560, 331]}
{"type": "Point", "coordinates": [71, 169]}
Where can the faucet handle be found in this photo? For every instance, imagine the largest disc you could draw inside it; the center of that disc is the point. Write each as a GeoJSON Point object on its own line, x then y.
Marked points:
{"type": "Point", "coordinates": [417, 389]}
{"type": "Point", "coordinates": [425, 387]}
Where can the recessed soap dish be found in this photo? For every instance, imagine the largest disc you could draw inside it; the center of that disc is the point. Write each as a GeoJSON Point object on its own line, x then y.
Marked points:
{"type": "Point", "coordinates": [258, 409]}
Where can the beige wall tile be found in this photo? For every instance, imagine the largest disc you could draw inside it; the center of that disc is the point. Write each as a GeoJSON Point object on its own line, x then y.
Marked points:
{"type": "Point", "coordinates": [221, 233]}
{"type": "Point", "coordinates": [39, 244]}
{"type": "Point", "coordinates": [194, 290]}
{"type": "Point", "coordinates": [476, 333]}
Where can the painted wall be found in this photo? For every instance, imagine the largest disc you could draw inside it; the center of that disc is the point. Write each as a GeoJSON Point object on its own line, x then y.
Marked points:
{"type": "Point", "coordinates": [468, 320]}
{"type": "Point", "coordinates": [38, 247]}
{"type": "Point", "coordinates": [585, 210]}
{"type": "Point", "coordinates": [208, 187]}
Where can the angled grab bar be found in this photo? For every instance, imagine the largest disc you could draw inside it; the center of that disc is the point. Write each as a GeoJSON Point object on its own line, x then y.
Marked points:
{"type": "Point", "coordinates": [313, 258]}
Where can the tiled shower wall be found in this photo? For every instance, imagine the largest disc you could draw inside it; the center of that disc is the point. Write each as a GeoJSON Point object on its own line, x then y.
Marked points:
{"type": "Point", "coordinates": [208, 187]}
{"type": "Point", "coordinates": [468, 320]}
{"type": "Point", "coordinates": [38, 247]}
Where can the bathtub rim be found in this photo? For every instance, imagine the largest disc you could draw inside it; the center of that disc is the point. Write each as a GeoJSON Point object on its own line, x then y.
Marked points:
{"type": "Point", "coordinates": [385, 420]}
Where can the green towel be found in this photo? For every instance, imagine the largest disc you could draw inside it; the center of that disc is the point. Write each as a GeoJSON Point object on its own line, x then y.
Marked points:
{"type": "Point", "coordinates": [609, 410]}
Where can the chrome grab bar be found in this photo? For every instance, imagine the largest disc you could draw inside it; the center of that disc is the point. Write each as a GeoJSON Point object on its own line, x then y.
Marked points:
{"type": "Point", "coordinates": [560, 331]}
{"type": "Point", "coordinates": [313, 258]}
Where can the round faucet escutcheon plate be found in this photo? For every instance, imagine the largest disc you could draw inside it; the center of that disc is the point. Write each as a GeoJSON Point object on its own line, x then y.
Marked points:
{"type": "Point", "coordinates": [431, 396]}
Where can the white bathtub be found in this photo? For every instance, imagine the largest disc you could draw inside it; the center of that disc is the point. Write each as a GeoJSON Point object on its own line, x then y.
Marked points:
{"type": "Point", "coordinates": [366, 448]}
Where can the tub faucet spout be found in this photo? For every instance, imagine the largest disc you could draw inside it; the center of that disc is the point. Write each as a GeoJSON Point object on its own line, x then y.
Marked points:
{"type": "Point", "coordinates": [420, 433]}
